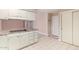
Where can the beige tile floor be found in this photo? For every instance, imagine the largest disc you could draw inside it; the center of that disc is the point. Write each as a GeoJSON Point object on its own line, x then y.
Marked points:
{"type": "Point", "coordinates": [46, 43]}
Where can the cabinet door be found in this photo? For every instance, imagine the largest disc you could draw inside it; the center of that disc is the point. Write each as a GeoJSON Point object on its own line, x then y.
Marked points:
{"type": "Point", "coordinates": [30, 16]}
{"type": "Point", "coordinates": [14, 42]}
{"type": "Point", "coordinates": [67, 27]}
{"type": "Point", "coordinates": [76, 28]}
{"type": "Point", "coordinates": [3, 42]}
{"type": "Point", "coordinates": [36, 36]}
{"type": "Point", "coordinates": [4, 14]}
{"type": "Point", "coordinates": [22, 14]}
{"type": "Point", "coordinates": [31, 37]}
{"type": "Point", "coordinates": [24, 40]}
{"type": "Point", "coordinates": [13, 13]}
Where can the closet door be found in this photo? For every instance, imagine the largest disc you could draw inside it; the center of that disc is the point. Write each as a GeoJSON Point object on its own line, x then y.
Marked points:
{"type": "Point", "coordinates": [76, 28]}
{"type": "Point", "coordinates": [67, 27]}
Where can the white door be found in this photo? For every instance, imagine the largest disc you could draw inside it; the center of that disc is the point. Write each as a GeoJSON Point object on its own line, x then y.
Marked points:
{"type": "Point", "coordinates": [67, 27]}
{"type": "Point", "coordinates": [76, 28]}
{"type": "Point", "coordinates": [55, 25]}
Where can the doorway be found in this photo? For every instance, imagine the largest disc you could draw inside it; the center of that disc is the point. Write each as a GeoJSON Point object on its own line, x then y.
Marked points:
{"type": "Point", "coordinates": [54, 25]}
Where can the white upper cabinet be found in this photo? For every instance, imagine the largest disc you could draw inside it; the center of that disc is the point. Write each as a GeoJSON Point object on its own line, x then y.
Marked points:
{"type": "Point", "coordinates": [13, 13]}
{"type": "Point", "coordinates": [21, 14]}
{"type": "Point", "coordinates": [16, 14]}
{"type": "Point", "coordinates": [30, 15]}
{"type": "Point", "coordinates": [3, 14]}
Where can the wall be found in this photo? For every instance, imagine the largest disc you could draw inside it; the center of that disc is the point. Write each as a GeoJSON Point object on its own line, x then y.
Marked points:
{"type": "Point", "coordinates": [42, 22]}
{"type": "Point", "coordinates": [12, 24]}
{"type": "Point", "coordinates": [0, 25]}
{"type": "Point", "coordinates": [49, 23]}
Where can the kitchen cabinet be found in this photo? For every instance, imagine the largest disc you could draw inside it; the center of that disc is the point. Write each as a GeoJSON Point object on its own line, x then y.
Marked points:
{"type": "Point", "coordinates": [14, 42]}
{"type": "Point", "coordinates": [76, 28]}
{"type": "Point", "coordinates": [36, 37]}
{"type": "Point", "coordinates": [12, 13]}
{"type": "Point", "coordinates": [31, 37]}
{"type": "Point", "coordinates": [8, 14]}
{"type": "Point", "coordinates": [3, 14]}
{"type": "Point", "coordinates": [3, 43]}
{"type": "Point", "coordinates": [18, 41]}
{"type": "Point", "coordinates": [21, 14]}
{"type": "Point", "coordinates": [67, 26]}
{"type": "Point", "coordinates": [30, 16]}
{"type": "Point", "coordinates": [24, 40]}
{"type": "Point", "coordinates": [16, 14]}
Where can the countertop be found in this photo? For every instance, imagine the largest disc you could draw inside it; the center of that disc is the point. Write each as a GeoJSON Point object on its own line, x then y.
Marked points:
{"type": "Point", "coordinates": [15, 33]}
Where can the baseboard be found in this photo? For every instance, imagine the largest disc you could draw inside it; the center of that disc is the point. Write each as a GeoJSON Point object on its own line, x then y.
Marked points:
{"type": "Point", "coordinates": [43, 33]}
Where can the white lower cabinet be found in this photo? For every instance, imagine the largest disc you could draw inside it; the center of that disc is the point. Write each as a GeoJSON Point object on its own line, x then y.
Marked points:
{"type": "Point", "coordinates": [31, 37]}
{"type": "Point", "coordinates": [36, 36]}
{"type": "Point", "coordinates": [24, 40]}
{"type": "Point", "coordinates": [3, 43]}
{"type": "Point", "coordinates": [17, 41]}
{"type": "Point", "coordinates": [14, 42]}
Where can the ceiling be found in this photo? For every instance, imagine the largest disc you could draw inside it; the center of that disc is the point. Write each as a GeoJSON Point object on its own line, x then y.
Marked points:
{"type": "Point", "coordinates": [46, 10]}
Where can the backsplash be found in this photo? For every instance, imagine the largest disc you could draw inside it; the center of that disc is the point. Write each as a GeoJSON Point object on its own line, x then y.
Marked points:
{"type": "Point", "coordinates": [12, 25]}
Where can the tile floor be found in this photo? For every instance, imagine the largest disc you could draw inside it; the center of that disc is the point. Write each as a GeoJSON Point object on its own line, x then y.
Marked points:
{"type": "Point", "coordinates": [46, 43]}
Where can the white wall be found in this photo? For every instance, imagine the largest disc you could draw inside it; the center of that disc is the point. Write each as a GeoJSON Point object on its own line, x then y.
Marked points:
{"type": "Point", "coordinates": [42, 22]}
